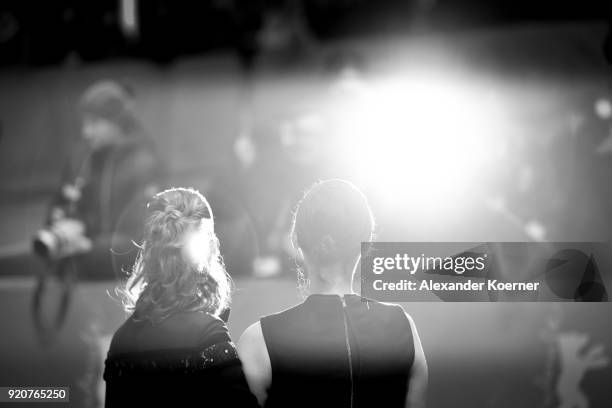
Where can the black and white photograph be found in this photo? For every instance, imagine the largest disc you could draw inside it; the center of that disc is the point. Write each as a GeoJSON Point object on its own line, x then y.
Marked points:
{"type": "Point", "coordinates": [306, 203]}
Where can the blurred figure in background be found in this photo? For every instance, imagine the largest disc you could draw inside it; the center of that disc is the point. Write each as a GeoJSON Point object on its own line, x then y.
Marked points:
{"type": "Point", "coordinates": [175, 349]}
{"type": "Point", "coordinates": [98, 210]}
{"type": "Point", "coordinates": [100, 202]}
{"type": "Point", "coordinates": [335, 349]}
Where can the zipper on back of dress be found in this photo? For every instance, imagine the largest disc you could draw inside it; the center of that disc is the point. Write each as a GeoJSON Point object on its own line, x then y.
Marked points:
{"type": "Point", "coordinates": [348, 346]}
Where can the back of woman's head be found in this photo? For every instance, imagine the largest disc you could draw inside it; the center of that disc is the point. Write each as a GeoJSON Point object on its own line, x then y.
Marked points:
{"type": "Point", "coordinates": [179, 267]}
{"type": "Point", "coordinates": [331, 221]}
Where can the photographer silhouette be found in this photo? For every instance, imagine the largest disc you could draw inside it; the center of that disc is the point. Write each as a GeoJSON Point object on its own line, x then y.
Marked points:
{"type": "Point", "coordinates": [99, 207]}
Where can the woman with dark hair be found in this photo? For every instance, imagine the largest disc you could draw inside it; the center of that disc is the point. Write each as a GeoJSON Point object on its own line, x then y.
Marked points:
{"type": "Point", "coordinates": [175, 349]}
{"type": "Point", "coordinates": [335, 349]}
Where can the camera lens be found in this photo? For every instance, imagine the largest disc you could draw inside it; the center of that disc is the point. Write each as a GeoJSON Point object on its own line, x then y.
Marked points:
{"type": "Point", "coordinates": [45, 243]}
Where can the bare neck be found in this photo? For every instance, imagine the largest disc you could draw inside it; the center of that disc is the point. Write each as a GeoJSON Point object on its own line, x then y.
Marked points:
{"type": "Point", "coordinates": [331, 280]}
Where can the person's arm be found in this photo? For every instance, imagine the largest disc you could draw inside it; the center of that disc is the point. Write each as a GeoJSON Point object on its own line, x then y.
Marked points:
{"type": "Point", "coordinates": [255, 361]}
{"type": "Point", "coordinates": [417, 390]}
{"type": "Point", "coordinates": [68, 192]}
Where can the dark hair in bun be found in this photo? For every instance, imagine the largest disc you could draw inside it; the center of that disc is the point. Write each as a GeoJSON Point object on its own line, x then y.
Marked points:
{"type": "Point", "coordinates": [331, 221]}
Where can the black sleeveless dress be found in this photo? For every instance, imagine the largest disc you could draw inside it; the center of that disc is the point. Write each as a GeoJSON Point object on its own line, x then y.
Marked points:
{"type": "Point", "coordinates": [333, 351]}
{"type": "Point", "coordinates": [186, 360]}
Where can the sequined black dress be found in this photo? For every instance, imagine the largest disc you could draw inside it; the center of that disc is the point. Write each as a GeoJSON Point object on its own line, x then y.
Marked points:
{"type": "Point", "coordinates": [186, 360]}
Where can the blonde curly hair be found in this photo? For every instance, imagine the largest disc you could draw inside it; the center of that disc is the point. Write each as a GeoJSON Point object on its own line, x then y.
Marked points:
{"type": "Point", "coordinates": [179, 266]}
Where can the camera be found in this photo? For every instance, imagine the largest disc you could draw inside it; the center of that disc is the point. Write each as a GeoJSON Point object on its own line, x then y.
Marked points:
{"type": "Point", "coordinates": [61, 239]}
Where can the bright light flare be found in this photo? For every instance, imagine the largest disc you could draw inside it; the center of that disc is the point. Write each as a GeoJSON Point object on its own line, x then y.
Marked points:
{"type": "Point", "coordinates": [199, 244]}
{"type": "Point", "coordinates": [422, 141]}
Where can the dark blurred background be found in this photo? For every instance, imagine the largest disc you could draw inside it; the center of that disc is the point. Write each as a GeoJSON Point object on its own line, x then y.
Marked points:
{"type": "Point", "coordinates": [461, 120]}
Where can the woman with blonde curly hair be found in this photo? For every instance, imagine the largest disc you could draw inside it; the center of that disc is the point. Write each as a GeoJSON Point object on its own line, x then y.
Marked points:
{"type": "Point", "coordinates": [175, 348]}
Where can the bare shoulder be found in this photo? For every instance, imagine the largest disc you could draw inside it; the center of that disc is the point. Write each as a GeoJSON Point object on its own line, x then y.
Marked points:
{"type": "Point", "coordinates": [396, 309]}
{"type": "Point", "coordinates": [252, 344]}
{"type": "Point", "coordinates": [415, 333]}
{"type": "Point", "coordinates": [252, 334]}
{"type": "Point", "coordinates": [255, 361]}
{"type": "Point", "coordinates": [410, 319]}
